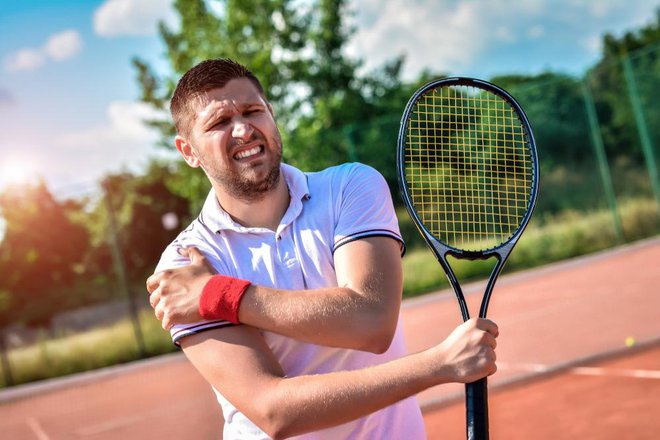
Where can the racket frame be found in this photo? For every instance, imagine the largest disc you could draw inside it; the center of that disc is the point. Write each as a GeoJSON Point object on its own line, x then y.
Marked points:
{"type": "Point", "coordinates": [476, 392]}
{"type": "Point", "coordinates": [442, 250]}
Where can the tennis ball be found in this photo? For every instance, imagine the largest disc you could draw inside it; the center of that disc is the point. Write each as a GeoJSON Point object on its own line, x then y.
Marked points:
{"type": "Point", "coordinates": [630, 341]}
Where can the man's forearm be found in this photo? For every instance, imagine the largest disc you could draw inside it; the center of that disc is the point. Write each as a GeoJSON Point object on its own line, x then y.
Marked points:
{"type": "Point", "coordinates": [316, 402]}
{"type": "Point", "coordinates": [360, 314]}
{"type": "Point", "coordinates": [297, 405]}
{"type": "Point", "coordinates": [338, 317]}
{"type": "Point", "coordinates": [237, 359]}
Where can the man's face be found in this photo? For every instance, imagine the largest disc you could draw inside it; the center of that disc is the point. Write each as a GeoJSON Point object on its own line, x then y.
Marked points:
{"type": "Point", "coordinates": [236, 141]}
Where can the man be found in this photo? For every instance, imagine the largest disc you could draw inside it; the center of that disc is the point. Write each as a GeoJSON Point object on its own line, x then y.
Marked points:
{"type": "Point", "coordinates": [309, 266]}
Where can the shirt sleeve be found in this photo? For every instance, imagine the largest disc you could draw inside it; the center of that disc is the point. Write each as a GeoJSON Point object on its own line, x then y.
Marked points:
{"type": "Point", "coordinates": [365, 207]}
{"type": "Point", "coordinates": [171, 259]}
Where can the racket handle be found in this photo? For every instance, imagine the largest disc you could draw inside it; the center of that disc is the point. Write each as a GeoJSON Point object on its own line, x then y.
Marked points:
{"type": "Point", "coordinates": [476, 406]}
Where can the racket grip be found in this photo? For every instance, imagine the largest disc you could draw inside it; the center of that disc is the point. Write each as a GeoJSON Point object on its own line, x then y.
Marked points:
{"type": "Point", "coordinates": [476, 409]}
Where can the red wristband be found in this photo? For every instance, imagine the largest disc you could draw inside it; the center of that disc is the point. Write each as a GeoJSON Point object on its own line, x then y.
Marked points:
{"type": "Point", "coordinates": [221, 297]}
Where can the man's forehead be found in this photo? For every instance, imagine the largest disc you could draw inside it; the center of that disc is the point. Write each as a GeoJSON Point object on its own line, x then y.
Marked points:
{"type": "Point", "coordinates": [236, 92]}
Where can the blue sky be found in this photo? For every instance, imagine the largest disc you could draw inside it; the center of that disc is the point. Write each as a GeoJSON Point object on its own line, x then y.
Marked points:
{"type": "Point", "coordinates": [68, 94]}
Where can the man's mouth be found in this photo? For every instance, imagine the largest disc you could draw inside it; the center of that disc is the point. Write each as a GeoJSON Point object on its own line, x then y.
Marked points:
{"type": "Point", "coordinates": [248, 153]}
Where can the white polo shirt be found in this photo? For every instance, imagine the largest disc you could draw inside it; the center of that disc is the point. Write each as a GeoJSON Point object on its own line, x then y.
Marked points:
{"type": "Point", "coordinates": [327, 210]}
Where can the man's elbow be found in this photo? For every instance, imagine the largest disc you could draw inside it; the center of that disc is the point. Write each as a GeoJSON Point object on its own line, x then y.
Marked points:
{"type": "Point", "coordinates": [277, 422]}
{"type": "Point", "coordinates": [377, 333]}
{"type": "Point", "coordinates": [379, 340]}
{"type": "Point", "coordinates": [276, 431]}
{"type": "Point", "coordinates": [378, 326]}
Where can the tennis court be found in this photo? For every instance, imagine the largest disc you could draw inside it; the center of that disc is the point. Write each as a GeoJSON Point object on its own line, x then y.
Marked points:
{"type": "Point", "coordinates": [565, 369]}
{"type": "Point", "coordinates": [611, 399]}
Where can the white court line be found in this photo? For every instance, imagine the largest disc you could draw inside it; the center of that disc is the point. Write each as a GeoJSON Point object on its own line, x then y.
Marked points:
{"type": "Point", "coordinates": [36, 428]}
{"type": "Point", "coordinates": [536, 368]}
{"type": "Point", "coordinates": [594, 371]}
{"type": "Point", "coordinates": [108, 426]}
{"type": "Point", "coordinates": [585, 371]}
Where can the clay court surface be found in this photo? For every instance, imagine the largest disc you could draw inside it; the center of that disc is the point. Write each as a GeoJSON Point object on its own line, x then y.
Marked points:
{"type": "Point", "coordinates": [565, 370]}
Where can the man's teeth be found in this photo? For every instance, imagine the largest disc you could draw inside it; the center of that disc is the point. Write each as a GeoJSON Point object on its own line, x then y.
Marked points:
{"type": "Point", "coordinates": [247, 153]}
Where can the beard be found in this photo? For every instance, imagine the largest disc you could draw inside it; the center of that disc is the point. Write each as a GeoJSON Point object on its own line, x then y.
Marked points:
{"type": "Point", "coordinates": [248, 184]}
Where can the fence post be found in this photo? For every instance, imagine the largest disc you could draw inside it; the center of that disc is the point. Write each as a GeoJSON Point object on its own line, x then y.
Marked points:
{"type": "Point", "coordinates": [642, 128]}
{"type": "Point", "coordinates": [597, 142]}
{"type": "Point", "coordinates": [4, 359]}
{"type": "Point", "coordinates": [121, 273]}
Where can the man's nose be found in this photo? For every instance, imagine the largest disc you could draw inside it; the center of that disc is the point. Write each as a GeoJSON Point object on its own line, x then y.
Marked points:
{"type": "Point", "coordinates": [242, 130]}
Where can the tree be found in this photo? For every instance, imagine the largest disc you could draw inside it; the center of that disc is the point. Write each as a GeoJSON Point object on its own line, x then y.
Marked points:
{"type": "Point", "coordinates": [42, 254]}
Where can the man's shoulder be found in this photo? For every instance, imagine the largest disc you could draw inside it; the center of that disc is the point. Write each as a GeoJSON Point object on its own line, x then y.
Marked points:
{"type": "Point", "coordinates": [343, 173]}
{"type": "Point", "coordinates": [196, 232]}
{"type": "Point", "coordinates": [198, 235]}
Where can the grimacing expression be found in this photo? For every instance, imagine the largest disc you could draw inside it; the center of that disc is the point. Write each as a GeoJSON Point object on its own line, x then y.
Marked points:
{"type": "Point", "coordinates": [236, 140]}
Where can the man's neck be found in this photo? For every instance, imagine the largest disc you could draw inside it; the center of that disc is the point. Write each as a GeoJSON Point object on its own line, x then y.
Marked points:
{"type": "Point", "coordinates": [266, 212]}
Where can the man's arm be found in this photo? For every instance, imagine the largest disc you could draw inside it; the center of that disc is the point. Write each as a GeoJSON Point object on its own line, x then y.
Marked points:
{"type": "Point", "coordinates": [361, 313]}
{"type": "Point", "coordinates": [237, 358]}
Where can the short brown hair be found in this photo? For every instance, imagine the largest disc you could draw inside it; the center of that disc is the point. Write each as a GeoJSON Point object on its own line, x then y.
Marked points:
{"type": "Point", "coordinates": [205, 76]}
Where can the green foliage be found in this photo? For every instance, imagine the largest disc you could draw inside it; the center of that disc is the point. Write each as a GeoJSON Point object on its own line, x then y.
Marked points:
{"type": "Point", "coordinates": [41, 255]}
{"type": "Point", "coordinates": [55, 255]}
{"type": "Point", "coordinates": [555, 108]}
{"type": "Point", "coordinates": [610, 87]}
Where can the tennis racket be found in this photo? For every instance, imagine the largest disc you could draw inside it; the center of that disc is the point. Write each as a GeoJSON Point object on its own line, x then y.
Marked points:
{"type": "Point", "coordinates": [468, 174]}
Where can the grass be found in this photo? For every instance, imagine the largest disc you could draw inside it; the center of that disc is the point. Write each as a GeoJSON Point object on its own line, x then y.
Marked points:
{"type": "Point", "coordinates": [546, 240]}
{"type": "Point", "coordinates": [86, 351]}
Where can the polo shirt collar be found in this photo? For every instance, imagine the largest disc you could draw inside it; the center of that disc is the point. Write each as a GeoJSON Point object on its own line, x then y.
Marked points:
{"type": "Point", "coordinates": [217, 219]}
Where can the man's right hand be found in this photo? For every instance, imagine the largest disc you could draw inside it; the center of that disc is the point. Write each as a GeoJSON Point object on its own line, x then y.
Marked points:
{"type": "Point", "coordinates": [468, 353]}
{"type": "Point", "coordinates": [175, 293]}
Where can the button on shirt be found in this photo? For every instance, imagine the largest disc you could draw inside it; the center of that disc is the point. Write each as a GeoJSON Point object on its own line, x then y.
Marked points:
{"type": "Point", "coordinates": [328, 209]}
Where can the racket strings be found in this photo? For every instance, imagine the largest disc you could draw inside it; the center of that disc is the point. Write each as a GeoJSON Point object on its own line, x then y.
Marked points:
{"type": "Point", "coordinates": [468, 166]}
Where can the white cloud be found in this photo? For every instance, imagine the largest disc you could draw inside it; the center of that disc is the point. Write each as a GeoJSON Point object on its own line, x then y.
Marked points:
{"type": "Point", "coordinates": [58, 47]}
{"type": "Point", "coordinates": [536, 31]}
{"type": "Point", "coordinates": [447, 41]}
{"type": "Point", "coordinates": [122, 141]}
{"type": "Point", "coordinates": [125, 125]}
{"type": "Point", "coordinates": [505, 34]}
{"type": "Point", "coordinates": [592, 44]}
{"type": "Point", "coordinates": [599, 9]}
{"type": "Point", "coordinates": [485, 37]}
{"type": "Point", "coordinates": [25, 59]}
{"type": "Point", "coordinates": [64, 45]}
{"type": "Point", "coordinates": [132, 17]}
{"type": "Point", "coordinates": [448, 36]}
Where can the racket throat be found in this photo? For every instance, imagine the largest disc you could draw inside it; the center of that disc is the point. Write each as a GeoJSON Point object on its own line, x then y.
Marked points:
{"type": "Point", "coordinates": [458, 292]}
{"type": "Point", "coordinates": [492, 279]}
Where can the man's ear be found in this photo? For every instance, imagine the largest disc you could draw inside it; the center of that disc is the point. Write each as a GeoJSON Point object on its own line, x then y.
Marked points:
{"type": "Point", "coordinates": [187, 151]}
